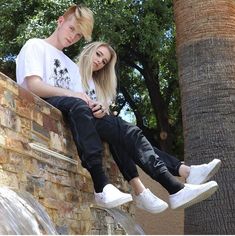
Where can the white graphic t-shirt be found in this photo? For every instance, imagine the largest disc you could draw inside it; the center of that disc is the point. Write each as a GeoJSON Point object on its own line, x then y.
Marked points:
{"type": "Point", "coordinates": [37, 57]}
{"type": "Point", "coordinates": [91, 92]}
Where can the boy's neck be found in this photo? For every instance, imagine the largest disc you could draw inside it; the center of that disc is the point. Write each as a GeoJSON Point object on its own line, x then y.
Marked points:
{"type": "Point", "coordinates": [52, 39]}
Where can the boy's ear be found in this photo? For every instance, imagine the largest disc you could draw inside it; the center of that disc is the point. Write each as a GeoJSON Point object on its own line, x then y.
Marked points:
{"type": "Point", "coordinates": [60, 20]}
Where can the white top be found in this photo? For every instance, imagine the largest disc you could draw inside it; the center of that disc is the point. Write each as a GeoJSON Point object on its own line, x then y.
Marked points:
{"type": "Point", "coordinates": [37, 57]}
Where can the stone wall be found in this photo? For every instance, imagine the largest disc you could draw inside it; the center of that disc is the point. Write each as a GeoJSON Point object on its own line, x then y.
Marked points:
{"type": "Point", "coordinates": [62, 186]}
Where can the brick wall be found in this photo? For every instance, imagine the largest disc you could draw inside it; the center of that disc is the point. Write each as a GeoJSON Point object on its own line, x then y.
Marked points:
{"type": "Point", "coordinates": [65, 189]}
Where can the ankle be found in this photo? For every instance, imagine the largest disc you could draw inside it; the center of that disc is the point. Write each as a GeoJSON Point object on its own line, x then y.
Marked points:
{"type": "Point", "coordinates": [170, 182]}
{"type": "Point", "coordinates": [184, 171]}
{"type": "Point", "coordinates": [137, 186]}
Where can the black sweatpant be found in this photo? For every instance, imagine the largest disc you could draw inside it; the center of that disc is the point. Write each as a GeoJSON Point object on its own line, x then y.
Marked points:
{"type": "Point", "coordinates": [125, 138]}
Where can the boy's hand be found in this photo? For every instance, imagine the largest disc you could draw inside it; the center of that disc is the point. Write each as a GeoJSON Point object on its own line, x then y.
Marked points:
{"type": "Point", "coordinates": [84, 97]}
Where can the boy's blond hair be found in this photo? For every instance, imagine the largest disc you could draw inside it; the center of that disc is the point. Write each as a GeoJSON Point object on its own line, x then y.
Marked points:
{"type": "Point", "coordinates": [84, 17]}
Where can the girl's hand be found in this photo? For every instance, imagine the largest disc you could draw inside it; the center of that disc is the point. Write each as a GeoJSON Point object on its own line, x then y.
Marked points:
{"type": "Point", "coordinates": [98, 109]}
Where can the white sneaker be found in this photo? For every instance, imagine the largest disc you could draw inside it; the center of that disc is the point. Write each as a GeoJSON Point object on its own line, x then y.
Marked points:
{"type": "Point", "coordinates": [192, 194]}
{"type": "Point", "coordinates": [111, 197]}
{"type": "Point", "coordinates": [149, 202]}
{"type": "Point", "coordinates": [200, 174]}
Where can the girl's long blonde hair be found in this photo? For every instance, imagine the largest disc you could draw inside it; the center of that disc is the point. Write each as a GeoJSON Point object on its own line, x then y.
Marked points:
{"type": "Point", "coordinates": [105, 80]}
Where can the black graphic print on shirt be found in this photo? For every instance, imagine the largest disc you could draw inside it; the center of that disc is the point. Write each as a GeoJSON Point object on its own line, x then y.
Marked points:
{"type": "Point", "coordinates": [61, 75]}
{"type": "Point", "coordinates": [91, 94]}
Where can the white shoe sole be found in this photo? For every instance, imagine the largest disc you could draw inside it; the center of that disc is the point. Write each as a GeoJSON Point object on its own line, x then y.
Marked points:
{"type": "Point", "coordinates": [202, 196]}
{"type": "Point", "coordinates": [115, 203]}
{"type": "Point", "coordinates": [154, 210]}
{"type": "Point", "coordinates": [215, 167]}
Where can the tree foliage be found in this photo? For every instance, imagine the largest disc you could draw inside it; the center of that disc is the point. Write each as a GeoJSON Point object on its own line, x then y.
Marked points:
{"type": "Point", "coordinates": [142, 33]}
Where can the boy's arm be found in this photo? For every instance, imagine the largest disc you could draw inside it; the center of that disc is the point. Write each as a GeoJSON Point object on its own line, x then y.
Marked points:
{"type": "Point", "coordinates": [37, 86]}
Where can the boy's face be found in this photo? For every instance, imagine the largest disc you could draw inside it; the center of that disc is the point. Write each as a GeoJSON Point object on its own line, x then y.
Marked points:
{"type": "Point", "coordinates": [68, 31]}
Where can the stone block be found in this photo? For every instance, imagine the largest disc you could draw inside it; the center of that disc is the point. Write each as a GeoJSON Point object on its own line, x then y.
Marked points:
{"type": "Point", "coordinates": [8, 100]}
{"type": "Point", "coordinates": [56, 142]}
{"type": "Point", "coordinates": [52, 203]}
{"type": "Point", "coordinates": [3, 154]}
{"type": "Point", "coordinates": [8, 179]}
{"type": "Point", "coordinates": [24, 108]}
{"type": "Point", "coordinates": [50, 124]}
{"type": "Point", "coordinates": [40, 130]}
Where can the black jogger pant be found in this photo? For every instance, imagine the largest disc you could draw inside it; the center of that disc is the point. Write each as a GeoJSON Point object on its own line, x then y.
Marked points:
{"type": "Point", "coordinates": [127, 140]}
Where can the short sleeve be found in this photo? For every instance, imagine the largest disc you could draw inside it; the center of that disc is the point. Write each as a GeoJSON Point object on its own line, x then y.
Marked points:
{"type": "Point", "coordinates": [30, 60]}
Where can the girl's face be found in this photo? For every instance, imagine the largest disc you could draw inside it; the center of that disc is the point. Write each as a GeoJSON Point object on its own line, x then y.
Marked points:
{"type": "Point", "coordinates": [100, 58]}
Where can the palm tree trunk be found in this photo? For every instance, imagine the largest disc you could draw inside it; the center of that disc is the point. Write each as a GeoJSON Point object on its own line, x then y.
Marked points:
{"type": "Point", "coordinates": [206, 60]}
